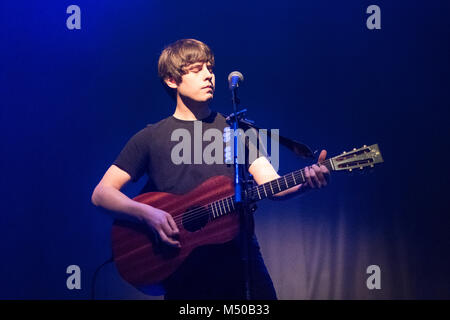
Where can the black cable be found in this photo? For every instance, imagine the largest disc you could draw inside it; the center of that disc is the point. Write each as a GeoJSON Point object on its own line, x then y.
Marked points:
{"type": "Point", "coordinates": [95, 276]}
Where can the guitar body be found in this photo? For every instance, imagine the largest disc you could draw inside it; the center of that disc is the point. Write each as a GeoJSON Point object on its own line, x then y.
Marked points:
{"type": "Point", "coordinates": [142, 260]}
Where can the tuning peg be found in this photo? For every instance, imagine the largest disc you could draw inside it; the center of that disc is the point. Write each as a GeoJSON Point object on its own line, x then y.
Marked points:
{"type": "Point", "coordinates": [350, 170]}
{"type": "Point", "coordinates": [354, 149]}
{"type": "Point", "coordinates": [371, 165]}
{"type": "Point", "coordinates": [364, 146]}
{"type": "Point", "coordinates": [361, 168]}
{"type": "Point", "coordinates": [344, 152]}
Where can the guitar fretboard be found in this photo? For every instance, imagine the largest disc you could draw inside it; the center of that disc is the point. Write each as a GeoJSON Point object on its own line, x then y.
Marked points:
{"type": "Point", "coordinates": [227, 205]}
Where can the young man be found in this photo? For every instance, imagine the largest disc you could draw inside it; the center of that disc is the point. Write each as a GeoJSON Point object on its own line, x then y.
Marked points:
{"type": "Point", "coordinates": [214, 271]}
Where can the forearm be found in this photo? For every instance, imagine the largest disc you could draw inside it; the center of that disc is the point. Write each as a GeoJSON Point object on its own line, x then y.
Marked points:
{"type": "Point", "coordinates": [315, 177]}
{"type": "Point", "coordinates": [114, 200]}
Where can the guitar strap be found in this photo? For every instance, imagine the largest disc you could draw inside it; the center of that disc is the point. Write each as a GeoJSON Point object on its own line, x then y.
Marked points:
{"type": "Point", "coordinates": [296, 147]}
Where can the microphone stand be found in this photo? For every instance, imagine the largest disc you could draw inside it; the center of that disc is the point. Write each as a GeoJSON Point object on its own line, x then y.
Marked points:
{"type": "Point", "coordinates": [244, 201]}
{"type": "Point", "coordinates": [241, 196]}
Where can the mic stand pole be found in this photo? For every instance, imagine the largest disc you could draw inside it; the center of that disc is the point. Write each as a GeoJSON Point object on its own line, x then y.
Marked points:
{"type": "Point", "coordinates": [241, 198]}
{"type": "Point", "coordinates": [244, 200]}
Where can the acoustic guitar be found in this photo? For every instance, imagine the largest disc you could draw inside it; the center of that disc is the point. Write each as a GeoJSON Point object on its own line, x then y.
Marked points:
{"type": "Point", "coordinates": [205, 215]}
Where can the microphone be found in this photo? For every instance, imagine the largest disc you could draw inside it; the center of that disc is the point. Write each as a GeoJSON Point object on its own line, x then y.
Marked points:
{"type": "Point", "coordinates": [234, 78]}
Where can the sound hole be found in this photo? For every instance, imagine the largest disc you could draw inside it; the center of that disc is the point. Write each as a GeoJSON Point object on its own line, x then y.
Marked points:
{"type": "Point", "coordinates": [195, 218]}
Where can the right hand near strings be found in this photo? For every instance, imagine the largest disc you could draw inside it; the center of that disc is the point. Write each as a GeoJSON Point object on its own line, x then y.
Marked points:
{"type": "Point", "coordinates": [164, 224]}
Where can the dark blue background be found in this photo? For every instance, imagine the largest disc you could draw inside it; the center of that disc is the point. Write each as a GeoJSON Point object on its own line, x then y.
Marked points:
{"type": "Point", "coordinates": [70, 99]}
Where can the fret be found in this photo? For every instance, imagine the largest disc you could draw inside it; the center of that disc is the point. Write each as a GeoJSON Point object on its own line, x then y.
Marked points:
{"type": "Point", "coordinates": [224, 208]}
{"type": "Point", "coordinates": [257, 189]}
{"type": "Point", "coordinates": [293, 176]}
{"type": "Point", "coordinates": [229, 210]}
{"type": "Point", "coordinates": [270, 184]}
{"type": "Point", "coordinates": [232, 204]}
{"type": "Point", "coordinates": [264, 188]}
{"type": "Point", "coordinates": [217, 211]}
{"type": "Point", "coordinates": [279, 188]}
{"type": "Point", "coordinates": [303, 177]}
{"type": "Point", "coordinates": [220, 209]}
{"type": "Point", "coordinates": [287, 186]}
{"type": "Point", "coordinates": [212, 209]}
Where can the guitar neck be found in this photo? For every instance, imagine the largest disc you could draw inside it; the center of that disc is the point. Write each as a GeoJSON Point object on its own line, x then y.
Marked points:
{"type": "Point", "coordinates": [285, 182]}
{"type": "Point", "coordinates": [357, 158]}
{"type": "Point", "coordinates": [263, 191]}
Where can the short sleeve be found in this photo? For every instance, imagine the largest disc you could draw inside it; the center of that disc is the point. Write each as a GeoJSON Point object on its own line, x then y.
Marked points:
{"type": "Point", "coordinates": [134, 156]}
{"type": "Point", "coordinates": [255, 148]}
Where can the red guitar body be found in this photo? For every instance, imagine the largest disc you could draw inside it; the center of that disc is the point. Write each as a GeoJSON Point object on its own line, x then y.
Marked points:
{"type": "Point", "coordinates": [142, 261]}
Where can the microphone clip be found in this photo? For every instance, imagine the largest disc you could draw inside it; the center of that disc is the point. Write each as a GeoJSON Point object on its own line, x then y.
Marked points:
{"type": "Point", "coordinates": [240, 116]}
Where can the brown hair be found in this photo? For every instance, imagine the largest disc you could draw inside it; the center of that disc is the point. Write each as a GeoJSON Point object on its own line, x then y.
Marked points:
{"type": "Point", "coordinates": [177, 56]}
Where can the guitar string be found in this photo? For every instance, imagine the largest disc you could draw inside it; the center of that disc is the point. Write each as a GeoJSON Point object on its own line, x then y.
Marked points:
{"type": "Point", "coordinates": [200, 212]}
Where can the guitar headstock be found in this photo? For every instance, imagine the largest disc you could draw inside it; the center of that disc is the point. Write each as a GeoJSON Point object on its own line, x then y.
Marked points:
{"type": "Point", "coordinates": [357, 158]}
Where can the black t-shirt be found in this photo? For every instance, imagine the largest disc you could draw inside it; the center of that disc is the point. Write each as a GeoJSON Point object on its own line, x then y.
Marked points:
{"type": "Point", "coordinates": [212, 271]}
{"type": "Point", "coordinates": [150, 152]}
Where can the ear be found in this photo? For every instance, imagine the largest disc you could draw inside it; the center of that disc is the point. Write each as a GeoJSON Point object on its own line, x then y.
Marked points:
{"type": "Point", "coordinates": [171, 83]}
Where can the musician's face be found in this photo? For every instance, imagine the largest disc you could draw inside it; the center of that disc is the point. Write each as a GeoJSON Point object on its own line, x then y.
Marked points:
{"type": "Point", "coordinates": [198, 83]}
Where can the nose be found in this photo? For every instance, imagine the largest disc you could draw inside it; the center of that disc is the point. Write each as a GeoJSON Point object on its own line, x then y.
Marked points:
{"type": "Point", "coordinates": [208, 74]}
